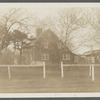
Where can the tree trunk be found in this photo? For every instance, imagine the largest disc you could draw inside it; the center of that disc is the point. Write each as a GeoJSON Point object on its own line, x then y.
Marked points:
{"type": "Point", "coordinates": [14, 51]}
{"type": "Point", "coordinates": [20, 56]}
{"type": "Point", "coordinates": [35, 55]}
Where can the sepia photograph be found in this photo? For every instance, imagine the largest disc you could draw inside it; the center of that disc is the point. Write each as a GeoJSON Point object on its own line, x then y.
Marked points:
{"type": "Point", "coordinates": [49, 48]}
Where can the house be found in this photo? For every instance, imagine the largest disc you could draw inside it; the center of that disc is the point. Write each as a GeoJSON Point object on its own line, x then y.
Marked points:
{"type": "Point", "coordinates": [47, 46]}
{"type": "Point", "coordinates": [50, 49]}
{"type": "Point", "coordinates": [66, 55]}
{"type": "Point", "coordinates": [92, 56]}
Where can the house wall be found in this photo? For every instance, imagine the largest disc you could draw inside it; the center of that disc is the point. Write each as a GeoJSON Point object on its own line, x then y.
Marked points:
{"type": "Point", "coordinates": [55, 49]}
{"type": "Point", "coordinates": [71, 60]}
{"type": "Point", "coordinates": [97, 57]}
{"type": "Point", "coordinates": [52, 50]}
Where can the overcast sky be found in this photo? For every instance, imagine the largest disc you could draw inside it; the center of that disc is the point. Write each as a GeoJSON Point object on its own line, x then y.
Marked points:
{"type": "Point", "coordinates": [43, 9]}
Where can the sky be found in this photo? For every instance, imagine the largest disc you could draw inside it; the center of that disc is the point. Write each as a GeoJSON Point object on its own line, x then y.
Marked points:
{"type": "Point", "coordinates": [84, 36]}
{"type": "Point", "coordinates": [43, 9]}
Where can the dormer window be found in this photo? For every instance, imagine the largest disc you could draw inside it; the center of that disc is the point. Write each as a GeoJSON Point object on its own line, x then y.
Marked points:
{"type": "Point", "coordinates": [45, 43]}
{"type": "Point", "coordinates": [66, 57]}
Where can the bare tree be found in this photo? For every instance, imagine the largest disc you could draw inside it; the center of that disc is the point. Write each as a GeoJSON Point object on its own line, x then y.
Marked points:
{"type": "Point", "coordinates": [70, 20]}
{"type": "Point", "coordinates": [92, 16]}
{"type": "Point", "coordinates": [64, 23]}
{"type": "Point", "coordinates": [14, 19]}
{"type": "Point", "coordinates": [11, 20]}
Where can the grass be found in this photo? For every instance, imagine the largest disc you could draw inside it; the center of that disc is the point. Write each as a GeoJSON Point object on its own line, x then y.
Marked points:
{"type": "Point", "coordinates": [30, 80]}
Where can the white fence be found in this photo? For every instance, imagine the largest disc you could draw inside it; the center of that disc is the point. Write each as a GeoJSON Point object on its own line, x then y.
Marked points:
{"type": "Point", "coordinates": [42, 64]}
{"type": "Point", "coordinates": [91, 68]}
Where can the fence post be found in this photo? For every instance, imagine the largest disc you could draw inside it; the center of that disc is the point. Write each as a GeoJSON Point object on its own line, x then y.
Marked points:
{"type": "Point", "coordinates": [92, 72]}
{"type": "Point", "coordinates": [44, 76]}
{"type": "Point", "coordinates": [9, 74]}
{"type": "Point", "coordinates": [62, 73]}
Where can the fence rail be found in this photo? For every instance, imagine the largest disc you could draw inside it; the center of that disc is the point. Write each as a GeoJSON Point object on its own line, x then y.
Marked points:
{"type": "Point", "coordinates": [21, 65]}
{"type": "Point", "coordinates": [91, 68]}
{"type": "Point", "coordinates": [34, 65]}
{"type": "Point", "coordinates": [77, 65]}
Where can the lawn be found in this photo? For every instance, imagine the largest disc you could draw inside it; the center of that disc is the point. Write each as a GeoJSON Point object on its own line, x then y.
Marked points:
{"type": "Point", "coordinates": [30, 80]}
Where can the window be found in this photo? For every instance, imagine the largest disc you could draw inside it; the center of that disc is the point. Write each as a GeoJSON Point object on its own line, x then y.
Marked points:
{"type": "Point", "coordinates": [66, 56]}
{"type": "Point", "coordinates": [91, 59]}
{"type": "Point", "coordinates": [45, 57]}
{"type": "Point", "coordinates": [76, 59]}
{"type": "Point", "coordinates": [45, 43]}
